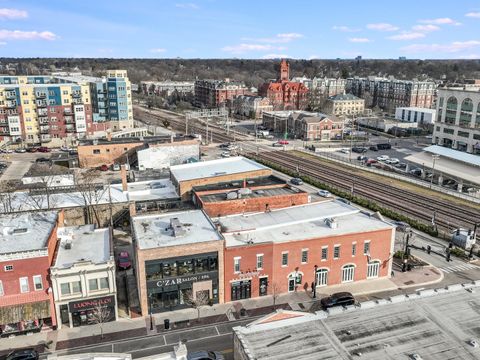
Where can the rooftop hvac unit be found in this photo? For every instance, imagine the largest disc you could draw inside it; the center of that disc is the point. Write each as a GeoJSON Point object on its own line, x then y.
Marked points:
{"type": "Point", "coordinates": [244, 191]}
{"type": "Point", "coordinates": [67, 245]}
{"type": "Point", "coordinates": [177, 227]}
{"type": "Point", "coordinates": [332, 223]}
{"type": "Point", "coordinates": [232, 195]}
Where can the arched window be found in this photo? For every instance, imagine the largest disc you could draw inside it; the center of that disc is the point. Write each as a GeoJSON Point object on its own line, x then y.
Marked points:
{"type": "Point", "coordinates": [348, 273]}
{"type": "Point", "coordinates": [477, 118]}
{"type": "Point", "coordinates": [451, 111]}
{"type": "Point", "coordinates": [322, 277]}
{"type": "Point", "coordinates": [373, 268]}
{"type": "Point", "coordinates": [466, 112]}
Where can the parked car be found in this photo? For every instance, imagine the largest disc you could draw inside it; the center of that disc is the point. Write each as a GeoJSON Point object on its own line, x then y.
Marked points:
{"type": "Point", "coordinates": [23, 354]}
{"type": "Point", "coordinates": [65, 149]}
{"type": "Point", "coordinates": [371, 161]}
{"type": "Point", "coordinates": [344, 201]}
{"type": "Point", "coordinates": [42, 160]}
{"type": "Point", "coordinates": [43, 149]}
{"type": "Point", "coordinates": [123, 260]}
{"type": "Point", "coordinates": [324, 193]}
{"type": "Point", "coordinates": [3, 166]}
{"type": "Point", "coordinates": [276, 144]}
{"type": "Point", "coordinates": [416, 171]}
{"type": "Point", "coordinates": [359, 150]}
{"type": "Point", "coordinates": [373, 148]}
{"type": "Point", "coordinates": [20, 150]}
{"type": "Point", "coordinates": [224, 145]}
{"type": "Point", "coordinates": [225, 154]}
{"type": "Point", "coordinates": [338, 299]}
{"type": "Point", "coordinates": [345, 151]}
{"type": "Point", "coordinates": [361, 158]}
{"type": "Point", "coordinates": [296, 181]}
{"type": "Point", "coordinates": [6, 151]}
{"type": "Point", "coordinates": [205, 355]}
{"type": "Point", "coordinates": [392, 161]}
{"type": "Point", "coordinates": [32, 150]}
{"type": "Point", "coordinates": [401, 165]}
{"type": "Point", "coordinates": [283, 142]}
{"type": "Point", "coordinates": [116, 167]}
{"type": "Point", "coordinates": [73, 152]}
{"type": "Point", "coordinates": [382, 157]}
{"type": "Point", "coordinates": [103, 168]}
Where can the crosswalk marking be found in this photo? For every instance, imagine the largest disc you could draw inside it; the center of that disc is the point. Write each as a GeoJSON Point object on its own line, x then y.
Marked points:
{"type": "Point", "coordinates": [458, 268]}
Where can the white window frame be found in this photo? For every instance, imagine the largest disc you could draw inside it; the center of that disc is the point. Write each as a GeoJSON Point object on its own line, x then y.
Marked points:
{"type": "Point", "coordinates": [371, 266]}
{"type": "Point", "coordinates": [34, 284]}
{"type": "Point", "coordinates": [321, 253]}
{"type": "Point", "coordinates": [8, 268]}
{"type": "Point", "coordinates": [2, 292]}
{"type": "Point", "coordinates": [324, 275]}
{"type": "Point", "coordinates": [284, 253]}
{"type": "Point", "coordinates": [369, 245]}
{"type": "Point", "coordinates": [354, 249]}
{"type": "Point", "coordinates": [260, 257]}
{"type": "Point", "coordinates": [28, 285]}
{"type": "Point", "coordinates": [339, 251]}
{"type": "Point", "coordinates": [301, 259]}
{"type": "Point", "coordinates": [350, 268]}
{"type": "Point", "coordinates": [236, 262]}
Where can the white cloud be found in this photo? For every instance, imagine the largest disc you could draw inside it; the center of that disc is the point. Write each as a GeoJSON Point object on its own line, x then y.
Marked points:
{"type": "Point", "coordinates": [187, 6]}
{"type": "Point", "coordinates": [473, 14]}
{"type": "Point", "coordinates": [407, 35]}
{"type": "Point", "coordinates": [344, 28]}
{"type": "Point", "coordinates": [453, 47]}
{"type": "Point", "coordinates": [425, 28]}
{"type": "Point", "coordinates": [242, 48]}
{"type": "Point", "coordinates": [439, 21]}
{"type": "Point", "coordinates": [27, 35]}
{"type": "Point", "coordinates": [313, 57]}
{"type": "Point", "coordinates": [275, 56]}
{"type": "Point", "coordinates": [2, 43]}
{"type": "Point", "coordinates": [382, 27]}
{"type": "Point", "coordinates": [359, 40]}
{"type": "Point", "coordinates": [13, 14]}
{"type": "Point", "coordinates": [158, 50]}
{"type": "Point", "coordinates": [279, 38]}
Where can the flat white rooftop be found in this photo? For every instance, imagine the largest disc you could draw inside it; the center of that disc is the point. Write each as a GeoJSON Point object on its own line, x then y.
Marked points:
{"type": "Point", "coordinates": [434, 326]}
{"type": "Point", "coordinates": [464, 157]}
{"type": "Point", "coordinates": [300, 222]}
{"type": "Point", "coordinates": [153, 231]}
{"type": "Point", "coordinates": [26, 231]}
{"type": "Point", "coordinates": [212, 168]}
{"type": "Point", "coordinates": [87, 244]}
{"type": "Point", "coordinates": [150, 190]}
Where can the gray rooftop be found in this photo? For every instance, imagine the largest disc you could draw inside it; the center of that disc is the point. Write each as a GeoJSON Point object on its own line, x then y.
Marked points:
{"type": "Point", "coordinates": [343, 97]}
{"type": "Point", "coordinates": [301, 222]}
{"type": "Point", "coordinates": [189, 227]}
{"type": "Point", "coordinates": [434, 325]}
{"type": "Point", "coordinates": [87, 244]}
{"type": "Point", "coordinates": [212, 168]}
{"type": "Point", "coordinates": [276, 191]}
{"type": "Point", "coordinates": [26, 231]}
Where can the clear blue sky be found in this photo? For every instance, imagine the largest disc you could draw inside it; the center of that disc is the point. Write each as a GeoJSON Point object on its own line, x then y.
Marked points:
{"type": "Point", "coordinates": [241, 29]}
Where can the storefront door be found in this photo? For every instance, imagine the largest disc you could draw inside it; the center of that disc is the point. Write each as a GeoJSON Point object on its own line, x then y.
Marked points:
{"type": "Point", "coordinates": [291, 285]}
{"type": "Point", "coordinates": [241, 290]}
{"type": "Point", "coordinates": [263, 286]}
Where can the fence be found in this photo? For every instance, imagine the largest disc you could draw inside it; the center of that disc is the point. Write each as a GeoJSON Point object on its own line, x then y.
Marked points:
{"type": "Point", "coordinates": [351, 163]}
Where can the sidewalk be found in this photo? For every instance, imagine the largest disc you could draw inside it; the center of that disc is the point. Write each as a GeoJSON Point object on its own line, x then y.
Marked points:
{"type": "Point", "coordinates": [125, 328]}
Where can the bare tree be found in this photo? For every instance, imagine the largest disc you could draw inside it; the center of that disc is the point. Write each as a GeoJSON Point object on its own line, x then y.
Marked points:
{"type": "Point", "coordinates": [40, 197]}
{"type": "Point", "coordinates": [198, 300]}
{"type": "Point", "coordinates": [275, 292]}
{"type": "Point", "coordinates": [100, 315]}
{"type": "Point", "coordinates": [7, 196]}
{"type": "Point", "coordinates": [92, 193]}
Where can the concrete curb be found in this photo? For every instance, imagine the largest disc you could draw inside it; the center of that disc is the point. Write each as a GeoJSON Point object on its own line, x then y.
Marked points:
{"type": "Point", "coordinates": [440, 279]}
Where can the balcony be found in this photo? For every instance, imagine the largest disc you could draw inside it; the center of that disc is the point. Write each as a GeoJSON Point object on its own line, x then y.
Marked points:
{"type": "Point", "coordinates": [10, 104]}
{"type": "Point", "coordinates": [12, 112]}
{"type": "Point", "coordinates": [45, 138]}
{"type": "Point", "coordinates": [70, 128]}
{"type": "Point", "coordinates": [67, 111]}
{"type": "Point", "coordinates": [77, 101]}
{"type": "Point", "coordinates": [43, 120]}
{"type": "Point", "coordinates": [102, 105]}
{"type": "Point", "coordinates": [101, 91]}
{"type": "Point", "coordinates": [44, 129]}
{"type": "Point", "coordinates": [9, 95]}
{"type": "Point", "coordinates": [41, 104]}
{"type": "Point", "coordinates": [76, 94]}
{"type": "Point", "coordinates": [69, 119]}
{"type": "Point", "coordinates": [42, 112]}
{"type": "Point", "coordinates": [40, 95]}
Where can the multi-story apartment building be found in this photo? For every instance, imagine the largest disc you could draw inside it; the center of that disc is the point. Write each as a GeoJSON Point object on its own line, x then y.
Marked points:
{"type": "Point", "coordinates": [458, 119]}
{"type": "Point", "coordinates": [344, 105]}
{"type": "Point", "coordinates": [53, 109]}
{"type": "Point", "coordinates": [217, 93]}
{"type": "Point", "coordinates": [27, 248]}
{"type": "Point", "coordinates": [390, 93]}
{"type": "Point", "coordinates": [283, 93]}
{"type": "Point", "coordinates": [314, 126]}
{"type": "Point", "coordinates": [167, 87]}
{"type": "Point", "coordinates": [251, 106]}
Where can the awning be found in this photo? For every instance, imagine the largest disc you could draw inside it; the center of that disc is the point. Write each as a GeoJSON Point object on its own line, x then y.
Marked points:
{"type": "Point", "coordinates": [15, 313]}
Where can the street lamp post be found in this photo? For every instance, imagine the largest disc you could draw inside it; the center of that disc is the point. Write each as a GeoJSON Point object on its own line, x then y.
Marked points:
{"type": "Point", "coordinates": [434, 157]}
{"type": "Point", "coordinates": [151, 316]}
{"type": "Point", "coordinates": [314, 283]}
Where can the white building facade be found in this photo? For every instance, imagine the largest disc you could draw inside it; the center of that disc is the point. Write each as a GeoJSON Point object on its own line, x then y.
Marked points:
{"type": "Point", "coordinates": [83, 277]}
{"type": "Point", "coordinates": [458, 119]}
{"type": "Point", "coordinates": [417, 115]}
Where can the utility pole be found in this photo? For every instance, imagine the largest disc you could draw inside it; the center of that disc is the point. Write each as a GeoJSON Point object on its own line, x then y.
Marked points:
{"type": "Point", "coordinates": [434, 157]}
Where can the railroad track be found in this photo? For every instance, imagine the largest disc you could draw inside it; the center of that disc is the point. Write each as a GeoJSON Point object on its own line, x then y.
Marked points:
{"type": "Point", "coordinates": [177, 122]}
{"type": "Point", "coordinates": [409, 203]}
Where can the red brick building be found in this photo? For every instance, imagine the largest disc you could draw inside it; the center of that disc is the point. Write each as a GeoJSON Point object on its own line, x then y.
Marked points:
{"type": "Point", "coordinates": [283, 93]}
{"type": "Point", "coordinates": [288, 249]}
{"type": "Point", "coordinates": [216, 93]}
{"type": "Point", "coordinates": [26, 254]}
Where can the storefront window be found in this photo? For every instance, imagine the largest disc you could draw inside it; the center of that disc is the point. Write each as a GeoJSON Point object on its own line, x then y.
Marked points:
{"type": "Point", "coordinates": [154, 271]}
{"type": "Point", "coordinates": [185, 267]}
{"type": "Point", "coordinates": [201, 265]}
{"type": "Point", "coordinates": [213, 264]}
{"type": "Point", "coordinates": [169, 269]}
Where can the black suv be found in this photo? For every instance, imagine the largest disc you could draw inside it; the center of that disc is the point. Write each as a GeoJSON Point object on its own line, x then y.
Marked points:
{"type": "Point", "coordinates": [338, 299]}
{"type": "Point", "coordinates": [23, 354]}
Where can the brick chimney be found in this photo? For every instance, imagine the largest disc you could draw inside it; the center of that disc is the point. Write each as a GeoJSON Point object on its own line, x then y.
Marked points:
{"type": "Point", "coordinates": [109, 135]}
{"type": "Point", "coordinates": [123, 174]}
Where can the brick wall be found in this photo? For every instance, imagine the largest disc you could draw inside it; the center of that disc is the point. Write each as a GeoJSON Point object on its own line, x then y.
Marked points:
{"type": "Point", "coordinates": [109, 154]}
{"type": "Point", "coordinates": [173, 251]}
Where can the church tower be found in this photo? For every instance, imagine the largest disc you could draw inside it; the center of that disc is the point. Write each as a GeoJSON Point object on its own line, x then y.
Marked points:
{"type": "Point", "coordinates": [284, 71]}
